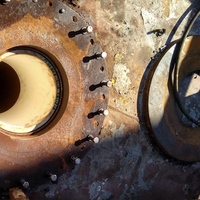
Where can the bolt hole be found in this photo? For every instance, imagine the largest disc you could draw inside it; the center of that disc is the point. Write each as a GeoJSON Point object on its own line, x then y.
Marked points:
{"type": "Point", "coordinates": [92, 41]}
{"type": "Point", "coordinates": [102, 68]}
{"type": "Point", "coordinates": [96, 124]}
{"type": "Point", "coordinates": [61, 167]}
{"type": "Point", "coordinates": [74, 19]}
{"type": "Point", "coordinates": [49, 3]}
{"type": "Point", "coordinates": [103, 96]}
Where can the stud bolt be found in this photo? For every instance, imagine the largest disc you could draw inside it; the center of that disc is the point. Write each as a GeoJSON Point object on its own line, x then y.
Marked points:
{"type": "Point", "coordinates": [104, 54]}
{"type": "Point", "coordinates": [62, 10]}
{"type": "Point", "coordinates": [53, 177]}
{"type": "Point", "coordinates": [107, 83]}
{"type": "Point", "coordinates": [75, 160]}
{"type": "Point", "coordinates": [24, 183]}
{"type": "Point", "coordinates": [87, 29]}
{"type": "Point", "coordinates": [93, 139]}
{"type": "Point", "coordinates": [103, 112]}
{"type": "Point", "coordinates": [101, 55]}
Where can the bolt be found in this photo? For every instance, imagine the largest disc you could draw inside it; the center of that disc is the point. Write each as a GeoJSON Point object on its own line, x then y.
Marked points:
{"type": "Point", "coordinates": [104, 55]}
{"type": "Point", "coordinates": [93, 139]}
{"type": "Point", "coordinates": [62, 10]}
{"type": "Point", "coordinates": [75, 160]}
{"type": "Point", "coordinates": [101, 55]}
{"type": "Point", "coordinates": [53, 177]}
{"type": "Point", "coordinates": [107, 83]}
{"type": "Point", "coordinates": [87, 29]}
{"type": "Point", "coordinates": [24, 183]}
{"type": "Point", "coordinates": [103, 112]}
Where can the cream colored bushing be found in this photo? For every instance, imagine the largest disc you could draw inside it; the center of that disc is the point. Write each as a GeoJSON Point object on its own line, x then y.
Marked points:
{"type": "Point", "coordinates": [36, 97]}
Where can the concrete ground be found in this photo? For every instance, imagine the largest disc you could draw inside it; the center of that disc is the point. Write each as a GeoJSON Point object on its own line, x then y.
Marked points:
{"type": "Point", "coordinates": [127, 164]}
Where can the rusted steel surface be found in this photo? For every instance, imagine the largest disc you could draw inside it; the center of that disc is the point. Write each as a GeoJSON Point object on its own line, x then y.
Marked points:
{"type": "Point", "coordinates": [127, 164]}
{"type": "Point", "coordinates": [173, 132]}
{"type": "Point", "coordinates": [43, 26]}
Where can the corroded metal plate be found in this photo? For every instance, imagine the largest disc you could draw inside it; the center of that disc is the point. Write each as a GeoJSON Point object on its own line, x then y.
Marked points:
{"type": "Point", "coordinates": [44, 27]}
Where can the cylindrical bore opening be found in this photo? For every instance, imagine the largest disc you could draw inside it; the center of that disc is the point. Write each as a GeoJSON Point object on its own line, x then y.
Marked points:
{"type": "Point", "coordinates": [29, 92]}
{"type": "Point", "coordinates": [9, 87]}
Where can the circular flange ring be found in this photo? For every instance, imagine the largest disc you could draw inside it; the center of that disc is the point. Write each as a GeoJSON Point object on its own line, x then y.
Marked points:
{"type": "Point", "coordinates": [177, 138]}
{"type": "Point", "coordinates": [42, 27]}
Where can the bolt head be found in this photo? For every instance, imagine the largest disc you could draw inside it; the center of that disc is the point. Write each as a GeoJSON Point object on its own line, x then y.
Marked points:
{"type": "Point", "coordinates": [62, 10]}
{"type": "Point", "coordinates": [105, 112]}
{"type": "Point", "coordinates": [96, 140]}
{"type": "Point", "coordinates": [77, 161]}
{"type": "Point", "coordinates": [104, 55]}
{"type": "Point", "coordinates": [109, 84]}
{"type": "Point", "coordinates": [35, 1]}
{"type": "Point", "coordinates": [89, 29]}
{"type": "Point", "coordinates": [53, 177]}
{"type": "Point", "coordinates": [25, 185]}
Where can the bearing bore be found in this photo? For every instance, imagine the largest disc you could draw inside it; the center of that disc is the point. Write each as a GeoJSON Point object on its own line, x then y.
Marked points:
{"type": "Point", "coordinates": [22, 53]}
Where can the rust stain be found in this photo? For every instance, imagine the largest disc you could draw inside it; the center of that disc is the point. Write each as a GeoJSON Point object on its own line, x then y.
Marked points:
{"type": "Point", "coordinates": [44, 32]}
{"type": "Point", "coordinates": [90, 103]}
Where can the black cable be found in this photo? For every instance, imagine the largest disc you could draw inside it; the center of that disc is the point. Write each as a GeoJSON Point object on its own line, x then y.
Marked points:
{"type": "Point", "coordinates": [177, 67]}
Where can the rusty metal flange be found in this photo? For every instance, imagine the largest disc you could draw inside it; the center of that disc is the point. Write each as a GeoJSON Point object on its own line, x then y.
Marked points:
{"type": "Point", "coordinates": [53, 29]}
{"type": "Point", "coordinates": [172, 131]}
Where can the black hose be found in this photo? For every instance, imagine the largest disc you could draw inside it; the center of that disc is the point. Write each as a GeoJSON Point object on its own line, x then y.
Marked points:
{"type": "Point", "coordinates": [177, 67]}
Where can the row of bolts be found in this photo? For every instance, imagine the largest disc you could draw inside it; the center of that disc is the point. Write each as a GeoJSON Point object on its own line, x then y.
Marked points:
{"type": "Point", "coordinates": [89, 29]}
{"type": "Point", "coordinates": [74, 159]}
{"type": "Point", "coordinates": [84, 30]}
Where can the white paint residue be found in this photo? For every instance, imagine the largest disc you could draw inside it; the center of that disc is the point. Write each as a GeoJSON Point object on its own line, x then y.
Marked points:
{"type": "Point", "coordinates": [122, 81]}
